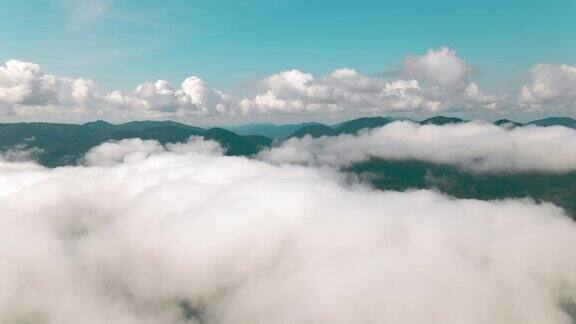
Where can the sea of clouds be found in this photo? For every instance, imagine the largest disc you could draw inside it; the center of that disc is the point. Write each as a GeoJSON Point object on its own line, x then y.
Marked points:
{"type": "Point", "coordinates": [145, 233]}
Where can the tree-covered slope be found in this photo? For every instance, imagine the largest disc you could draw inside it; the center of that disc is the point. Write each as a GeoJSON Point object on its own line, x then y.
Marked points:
{"type": "Point", "coordinates": [557, 188]}
{"type": "Point", "coordinates": [267, 129]}
{"type": "Point", "coordinates": [442, 120]}
{"type": "Point", "coordinates": [355, 125]}
{"type": "Point", "coordinates": [63, 144]}
{"type": "Point", "coordinates": [233, 143]}
{"type": "Point", "coordinates": [555, 121]}
{"type": "Point", "coordinates": [314, 131]}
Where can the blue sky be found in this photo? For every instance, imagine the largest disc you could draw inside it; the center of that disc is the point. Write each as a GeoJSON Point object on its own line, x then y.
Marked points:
{"type": "Point", "coordinates": [122, 43]}
{"type": "Point", "coordinates": [502, 59]}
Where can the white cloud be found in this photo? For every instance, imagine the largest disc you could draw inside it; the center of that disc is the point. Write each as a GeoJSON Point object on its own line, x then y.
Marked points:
{"type": "Point", "coordinates": [437, 81]}
{"type": "Point", "coordinates": [26, 83]}
{"type": "Point", "coordinates": [551, 87]}
{"type": "Point", "coordinates": [27, 93]}
{"type": "Point", "coordinates": [81, 12]}
{"type": "Point", "coordinates": [480, 147]}
{"type": "Point", "coordinates": [160, 99]}
{"type": "Point", "coordinates": [248, 242]}
{"type": "Point", "coordinates": [136, 150]}
{"type": "Point", "coordinates": [438, 67]}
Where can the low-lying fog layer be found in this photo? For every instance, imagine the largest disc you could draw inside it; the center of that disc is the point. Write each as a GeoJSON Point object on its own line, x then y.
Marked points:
{"type": "Point", "coordinates": [474, 146]}
{"type": "Point", "coordinates": [147, 234]}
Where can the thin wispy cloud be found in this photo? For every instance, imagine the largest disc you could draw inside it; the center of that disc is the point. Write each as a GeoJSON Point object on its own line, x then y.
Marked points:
{"type": "Point", "coordinates": [82, 12]}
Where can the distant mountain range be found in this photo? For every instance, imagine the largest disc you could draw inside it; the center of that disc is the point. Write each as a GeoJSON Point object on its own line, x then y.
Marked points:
{"type": "Point", "coordinates": [64, 144]}
{"type": "Point", "coordinates": [354, 126]}
{"type": "Point", "coordinates": [268, 129]}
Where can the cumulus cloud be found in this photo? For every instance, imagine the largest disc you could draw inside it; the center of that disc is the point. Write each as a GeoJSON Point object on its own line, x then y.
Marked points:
{"type": "Point", "coordinates": [149, 234]}
{"type": "Point", "coordinates": [26, 92]}
{"type": "Point", "coordinates": [437, 81]}
{"type": "Point", "coordinates": [474, 146]}
{"type": "Point", "coordinates": [160, 99]}
{"type": "Point", "coordinates": [551, 87]}
{"type": "Point", "coordinates": [440, 66]}
{"type": "Point", "coordinates": [296, 92]}
{"type": "Point", "coordinates": [26, 83]}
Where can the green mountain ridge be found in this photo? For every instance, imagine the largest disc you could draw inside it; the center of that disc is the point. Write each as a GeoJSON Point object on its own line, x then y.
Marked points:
{"type": "Point", "coordinates": [355, 125]}
{"type": "Point", "coordinates": [314, 131]}
{"type": "Point", "coordinates": [267, 129]}
{"type": "Point", "coordinates": [65, 144]}
{"type": "Point", "coordinates": [554, 121]}
{"type": "Point", "coordinates": [508, 123]}
{"type": "Point", "coordinates": [234, 144]}
{"type": "Point", "coordinates": [442, 120]}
